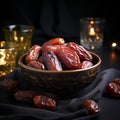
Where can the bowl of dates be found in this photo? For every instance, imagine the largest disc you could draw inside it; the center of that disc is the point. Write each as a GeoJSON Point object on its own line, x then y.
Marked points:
{"type": "Point", "coordinates": [60, 67]}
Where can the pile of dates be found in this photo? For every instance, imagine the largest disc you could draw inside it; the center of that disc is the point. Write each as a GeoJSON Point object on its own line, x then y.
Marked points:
{"type": "Point", "coordinates": [58, 55]}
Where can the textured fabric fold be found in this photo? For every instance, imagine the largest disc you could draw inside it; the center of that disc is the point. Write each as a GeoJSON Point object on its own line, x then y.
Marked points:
{"type": "Point", "coordinates": [67, 109]}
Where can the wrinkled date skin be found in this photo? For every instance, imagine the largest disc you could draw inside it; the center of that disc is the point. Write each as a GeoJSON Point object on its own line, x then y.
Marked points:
{"type": "Point", "coordinates": [82, 52]}
{"type": "Point", "coordinates": [36, 64]}
{"type": "Point", "coordinates": [55, 41]}
{"type": "Point", "coordinates": [113, 88]}
{"type": "Point", "coordinates": [51, 61]}
{"type": "Point", "coordinates": [44, 102]}
{"type": "Point", "coordinates": [25, 96]}
{"type": "Point", "coordinates": [9, 85]}
{"type": "Point", "coordinates": [68, 57]}
{"type": "Point", "coordinates": [33, 53]}
{"type": "Point", "coordinates": [52, 48]}
{"type": "Point", "coordinates": [91, 106]}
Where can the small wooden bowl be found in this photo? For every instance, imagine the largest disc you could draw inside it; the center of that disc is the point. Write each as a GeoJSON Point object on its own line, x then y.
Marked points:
{"type": "Point", "coordinates": [61, 82]}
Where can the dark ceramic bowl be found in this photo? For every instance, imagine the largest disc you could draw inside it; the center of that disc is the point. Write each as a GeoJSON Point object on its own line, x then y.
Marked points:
{"type": "Point", "coordinates": [61, 82]}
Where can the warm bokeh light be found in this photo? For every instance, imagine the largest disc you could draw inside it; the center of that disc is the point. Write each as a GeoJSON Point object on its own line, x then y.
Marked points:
{"type": "Point", "coordinates": [92, 31]}
{"type": "Point", "coordinates": [114, 44]}
{"type": "Point", "coordinates": [91, 22]}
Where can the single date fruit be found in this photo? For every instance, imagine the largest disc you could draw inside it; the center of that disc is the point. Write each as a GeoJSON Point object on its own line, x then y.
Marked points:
{"type": "Point", "coordinates": [51, 61]}
{"type": "Point", "coordinates": [91, 106]}
{"type": "Point", "coordinates": [113, 88]}
{"type": "Point", "coordinates": [9, 85]}
{"type": "Point", "coordinates": [54, 41]}
{"type": "Point", "coordinates": [44, 102]}
{"type": "Point", "coordinates": [25, 96]}
{"type": "Point", "coordinates": [81, 51]}
{"type": "Point", "coordinates": [68, 57]}
{"type": "Point", "coordinates": [33, 54]}
{"type": "Point", "coordinates": [36, 64]}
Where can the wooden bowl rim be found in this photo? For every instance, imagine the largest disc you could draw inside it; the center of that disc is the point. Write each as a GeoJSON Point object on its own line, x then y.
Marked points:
{"type": "Point", "coordinates": [20, 63]}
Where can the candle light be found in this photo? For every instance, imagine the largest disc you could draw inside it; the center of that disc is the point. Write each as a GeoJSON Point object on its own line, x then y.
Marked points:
{"type": "Point", "coordinates": [92, 32]}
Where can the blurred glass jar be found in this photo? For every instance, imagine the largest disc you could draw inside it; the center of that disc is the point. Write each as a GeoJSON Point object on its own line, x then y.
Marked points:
{"type": "Point", "coordinates": [92, 32]}
{"type": "Point", "coordinates": [8, 56]}
{"type": "Point", "coordinates": [21, 34]}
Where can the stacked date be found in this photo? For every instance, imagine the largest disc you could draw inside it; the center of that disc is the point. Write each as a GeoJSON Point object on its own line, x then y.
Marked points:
{"type": "Point", "coordinates": [58, 55]}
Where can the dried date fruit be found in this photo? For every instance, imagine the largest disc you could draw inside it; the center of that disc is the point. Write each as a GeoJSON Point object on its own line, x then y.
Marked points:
{"type": "Point", "coordinates": [9, 85]}
{"type": "Point", "coordinates": [25, 96]}
{"type": "Point", "coordinates": [54, 41]}
{"type": "Point", "coordinates": [36, 64]}
{"type": "Point", "coordinates": [55, 54]}
{"type": "Point", "coordinates": [68, 57]}
{"type": "Point", "coordinates": [113, 88]}
{"type": "Point", "coordinates": [81, 51]}
{"type": "Point", "coordinates": [52, 48]}
{"type": "Point", "coordinates": [86, 64]}
{"type": "Point", "coordinates": [91, 106]}
{"type": "Point", "coordinates": [33, 54]}
{"type": "Point", "coordinates": [51, 61]}
{"type": "Point", "coordinates": [44, 102]}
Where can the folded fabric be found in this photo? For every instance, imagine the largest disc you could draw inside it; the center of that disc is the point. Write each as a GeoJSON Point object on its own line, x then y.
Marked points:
{"type": "Point", "coordinates": [67, 109]}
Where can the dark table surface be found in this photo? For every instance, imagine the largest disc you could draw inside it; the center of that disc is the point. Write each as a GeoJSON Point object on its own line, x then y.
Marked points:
{"type": "Point", "coordinates": [110, 59]}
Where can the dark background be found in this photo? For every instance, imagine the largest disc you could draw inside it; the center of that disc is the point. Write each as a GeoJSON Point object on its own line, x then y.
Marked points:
{"type": "Point", "coordinates": [59, 18]}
